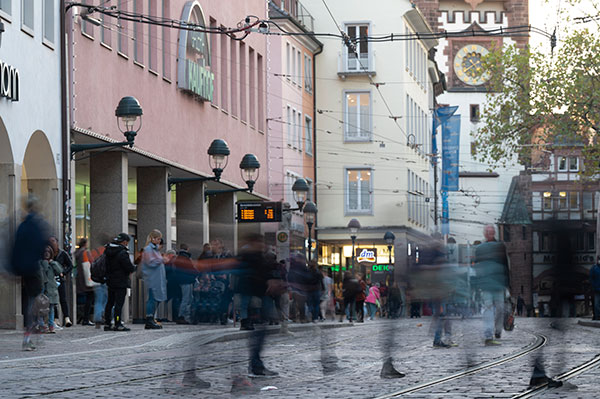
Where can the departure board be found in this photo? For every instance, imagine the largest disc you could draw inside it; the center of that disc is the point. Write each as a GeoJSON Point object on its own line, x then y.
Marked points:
{"type": "Point", "coordinates": [258, 212]}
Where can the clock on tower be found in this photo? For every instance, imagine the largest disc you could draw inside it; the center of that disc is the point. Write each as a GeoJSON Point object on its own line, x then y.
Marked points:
{"type": "Point", "coordinates": [468, 67]}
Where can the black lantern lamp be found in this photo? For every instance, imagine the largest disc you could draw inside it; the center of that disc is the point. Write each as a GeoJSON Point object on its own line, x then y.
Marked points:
{"type": "Point", "coordinates": [353, 226]}
{"type": "Point", "coordinates": [389, 238]}
{"type": "Point", "coordinates": [128, 113]}
{"type": "Point", "coordinates": [310, 212]}
{"type": "Point", "coordinates": [300, 190]}
{"type": "Point", "coordinates": [218, 156]}
{"type": "Point", "coordinates": [249, 169]}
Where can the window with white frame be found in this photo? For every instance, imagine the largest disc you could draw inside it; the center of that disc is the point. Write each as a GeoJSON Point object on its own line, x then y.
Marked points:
{"type": "Point", "coordinates": [288, 65]}
{"type": "Point", "coordinates": [358, 190]}
{"type": "Point", "coordinates": [298, 143]}
{"type": "Point", "coordinates": [357, 114]}
{"type": "Point", "coordinates": [573, 164]}
{"type": "Point", "coordinates": [27, 15]}
{"type": "Point", "coordinates": [359, 60]}
{"type": "Point", "coordinates": [290, 178]}
{"type": "Point", "coordinates": [294, 128]}
{"type": "Point", "coordinates": [299, 68]}
{"type": "Point", "coordinates": [562, 164]}
{"type": "Point", "coordinates": [289, 124]}
{"type": "Point", "coordinates": [49, 20]}
{"type": "Point", "coordinates": [307, 73]}
{"type": "Point", "coordinates": [294, 65]}
{"type": "Point", "coordinates": [308, 139]}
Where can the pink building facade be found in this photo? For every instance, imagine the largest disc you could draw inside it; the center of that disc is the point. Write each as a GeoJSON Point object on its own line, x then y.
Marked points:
{"type": "Point", "coordinates": [194, 87]}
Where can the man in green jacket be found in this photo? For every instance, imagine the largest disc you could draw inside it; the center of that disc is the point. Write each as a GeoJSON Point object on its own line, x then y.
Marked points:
{"type": "Point", "coordinates": [491, 276]}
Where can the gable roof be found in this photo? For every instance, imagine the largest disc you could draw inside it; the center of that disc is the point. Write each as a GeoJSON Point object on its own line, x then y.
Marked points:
{"type": "Point", "coordinates": [515, 208]}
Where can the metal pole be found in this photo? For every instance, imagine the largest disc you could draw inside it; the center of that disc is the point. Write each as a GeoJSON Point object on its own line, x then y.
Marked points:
{"type": "Point", "coordinates": [390, 253]}
{"type": "Point", "coordinates": [353, 241]}
{"type": "Point", "coordinates": [309, 224]}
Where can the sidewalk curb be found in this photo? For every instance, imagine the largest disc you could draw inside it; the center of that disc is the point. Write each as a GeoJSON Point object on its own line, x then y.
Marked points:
{"type": "Point", "coordinates": [589, 323]}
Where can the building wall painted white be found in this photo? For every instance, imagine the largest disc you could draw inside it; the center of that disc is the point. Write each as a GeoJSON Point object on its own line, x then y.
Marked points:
{"type": "Point", "coordinates": [482, 199]}
{"type": "Point", "coordinates": [381, 153]}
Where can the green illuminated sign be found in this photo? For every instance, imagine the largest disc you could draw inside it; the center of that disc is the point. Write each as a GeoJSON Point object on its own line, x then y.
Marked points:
{"type": "Point", "coordinates": [382, 268]}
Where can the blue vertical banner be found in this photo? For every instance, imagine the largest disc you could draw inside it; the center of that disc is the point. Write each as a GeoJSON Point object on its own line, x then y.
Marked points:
{"type": "Point", "coordinates": [450, 151]}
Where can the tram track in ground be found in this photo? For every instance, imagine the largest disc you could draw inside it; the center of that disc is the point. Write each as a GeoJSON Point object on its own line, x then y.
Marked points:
{"type": "Point", "coordinates": [540, 341]}
{"type": "Point", "coordinates": [564, 377]}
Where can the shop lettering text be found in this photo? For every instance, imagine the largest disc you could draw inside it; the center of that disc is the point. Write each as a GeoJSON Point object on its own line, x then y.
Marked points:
{"type": "Point", "coordinates": [9, 82]}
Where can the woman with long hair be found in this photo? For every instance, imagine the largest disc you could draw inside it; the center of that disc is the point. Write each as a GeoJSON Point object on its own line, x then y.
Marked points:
{"type": "Point", "coordinates": [153, 270]}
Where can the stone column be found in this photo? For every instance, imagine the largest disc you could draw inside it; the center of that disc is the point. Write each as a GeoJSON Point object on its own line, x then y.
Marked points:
{"type": "Point", "coordinates": [108, 197]}
{"type": "Point", "coordinates": [153, 203]}
{"type": "Point", "coordinates": [222, 220]}
{"type": "Point", "coordinates": [191, 211]}
{"type": "Point", "coordinates": [11, 315]}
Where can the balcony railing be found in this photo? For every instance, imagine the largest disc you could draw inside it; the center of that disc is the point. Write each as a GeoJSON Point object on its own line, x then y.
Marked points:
{"type": "Point", "coordinates": [297, 11]}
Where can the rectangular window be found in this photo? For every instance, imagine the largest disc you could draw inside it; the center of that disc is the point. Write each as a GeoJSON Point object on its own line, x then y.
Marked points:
{"type": "Point", "coordinates": [151, 39]}
{"type": "Point", "coordinates": [290, 124]}
{"type": "Point", "coordinates": [166, 38]}
{"type": "Point", "coordinates": [545, 242]}
{"type": "Point", "coordinates": [293, 67]}
{"type": "Point", "coordinates": [224, 79]}
{"type": "Point", "coordinates": [536, 203]}
{"type": "Point", "coordinates": [243, 72]}
{"type": "Point", "coordinates": [261, 92]}
{"type": "Point", "coordinates": [591, 240]}
{"type": "Point", "coordinates": [105, 33]}
{"type": "Point", "coordinates": [308, 134]}
{"type": "Point", "coordinates": [562, 200]}
{"type": "Point", "coordinates": [562, 164]}
{"type": "Point", "coordinates": [5, 7]}
{"type": "Point", "coordinates": [574, 200]}
{"type": "Point", "coordinates": [547, 201]}
{"type": "Point", "coordinates": [359, 60]}
{"type": "Point", "coordinates": [294, 129]}
{"type": "Point", "coordinates": [214, 60]}
{"type": "Point", "coordinates": [299, 131]}
{"type": "Point", "coordinates": [573, 164]}
{"type": "Point", "coordinates": [474, 112]}
{"type": "Point", "coordinates": [307, 73]}
{"type": "Point", "coordinates": [27, 15]}
{"type": "Point", "coordinates": [588, 207]}
{"type": "Point", "coordinates": [252, 90]}
{"type": "Point", "coordinates": [299, 68]}
{"type": "Point", "coordinates": [234, 79]}
{"type": "Point", "coordinates": [123, 28]}
{"type": "Point", "coordinates": [138, 39]}
{"type": "Point", "coordinates": [357, 113]}
{"type": "Point", "coordinates": [358, 190]}
{"type": "Point", "coordinates": [288, 62]}
{"type": "Point", "coordinates": [49, 20]}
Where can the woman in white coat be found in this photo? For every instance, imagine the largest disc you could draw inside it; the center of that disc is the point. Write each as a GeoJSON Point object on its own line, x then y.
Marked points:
{"type": "Point", "coordinates": [153, 270]}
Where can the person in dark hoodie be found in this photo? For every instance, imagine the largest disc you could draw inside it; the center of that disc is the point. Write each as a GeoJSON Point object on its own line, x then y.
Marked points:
{"type": "Point", "coordinates": [118, 269]}
{"type": "Point", "coordinates": [186, 276]}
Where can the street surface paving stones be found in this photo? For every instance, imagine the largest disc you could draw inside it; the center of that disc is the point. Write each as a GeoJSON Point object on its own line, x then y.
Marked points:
{"type": "Point", "coordinates": [83, 362]}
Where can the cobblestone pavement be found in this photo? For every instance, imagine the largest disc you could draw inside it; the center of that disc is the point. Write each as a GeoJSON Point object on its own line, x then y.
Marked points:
{"type": "Point", "coordinates": [84, 362]}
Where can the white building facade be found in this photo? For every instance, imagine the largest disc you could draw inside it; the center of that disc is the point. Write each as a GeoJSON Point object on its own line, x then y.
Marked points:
{"type": "Point", "coordinates": [30, 128]}
{"type": "Point", "coordinates": [373, 110]}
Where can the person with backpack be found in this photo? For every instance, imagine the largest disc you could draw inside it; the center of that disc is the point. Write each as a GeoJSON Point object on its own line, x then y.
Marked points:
{"type": "Point", "coordinates": [118, 268]}
{"type": "Point", "coordinates": [153, 270]}
{"type": "Point", "coordinates": [100, 289]}
{"type": "Point", "coordinates": [30, 242]}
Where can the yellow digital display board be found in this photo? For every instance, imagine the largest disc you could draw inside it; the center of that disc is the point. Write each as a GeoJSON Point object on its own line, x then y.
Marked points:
{"type": "Point", "coordinates": [259, 212]}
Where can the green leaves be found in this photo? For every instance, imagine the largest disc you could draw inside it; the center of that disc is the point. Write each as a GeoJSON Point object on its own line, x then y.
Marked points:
{"type": "Point", "coordinates": [537, 100]}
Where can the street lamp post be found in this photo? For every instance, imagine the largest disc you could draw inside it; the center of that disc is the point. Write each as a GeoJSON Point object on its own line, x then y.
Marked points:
{"type": "Point", "coordinates": [128, 112]}
{"type": "Point", "coordinates": [310, 211]}
{"type": "Point", "coordinates": [354, 226]}
{"type": "Point", "coordinates": [218, 156]}
{"type": "Point", "coordinates": [389, 238]}
{"type": "Point", "coordinates": [300, 190]}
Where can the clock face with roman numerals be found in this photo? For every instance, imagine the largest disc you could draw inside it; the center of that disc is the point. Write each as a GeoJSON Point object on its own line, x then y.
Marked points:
{"type": "Point", "coordinates": [468, 66]}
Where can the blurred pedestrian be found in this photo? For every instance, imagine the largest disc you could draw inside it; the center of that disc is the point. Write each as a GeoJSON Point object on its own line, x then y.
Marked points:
{"type": "Point", "coordinates": [350, 289]}
{"type": "Point", "coordinates": [314, 287]}
{"type": "Point", "coordinates": [83, 281]}
{"type": "Point", "coordinates": [520, 305]}
{"type": "Point", "coordinates": [153, 270]}
{"type": "Point", "coordinates": [373, 301]}
{"type": "Point", "coordinates": [360, 298]}
{"type": "Point", "coordinates": [173, 288]}
{"type": "Point", "coordinates": [327, 296]}
{"type": "Point", "coordinates": [595, 282]}
{"type": "Point", "coordinates": [186, 276]}
{"type": "Point", "coordinates": [100, 289]}
{"type": "Point", "coordinates": [30, 243]}
{"type": "Point", "coordinates": [491, 276]}
{"type": "Point", "coordinates": [51, 271]}
{"type": "Point", "coordinates": [64, 259]}
{"type": "Point", "coordinates": [118, 268]}
{"type": "Point", "coordinates": [299, 280]}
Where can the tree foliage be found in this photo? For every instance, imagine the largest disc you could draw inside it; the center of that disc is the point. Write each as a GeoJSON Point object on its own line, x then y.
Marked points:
{"type": "Point", "coordinates": [539, 100]}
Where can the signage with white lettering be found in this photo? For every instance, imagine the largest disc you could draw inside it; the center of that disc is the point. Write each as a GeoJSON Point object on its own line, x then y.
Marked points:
{"type": "Point", "coordinates": [193, 60]}
{"type": "Point", "coordinates": [9, 82]}
{"type": "Point", "coordinates": [366, 255]}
